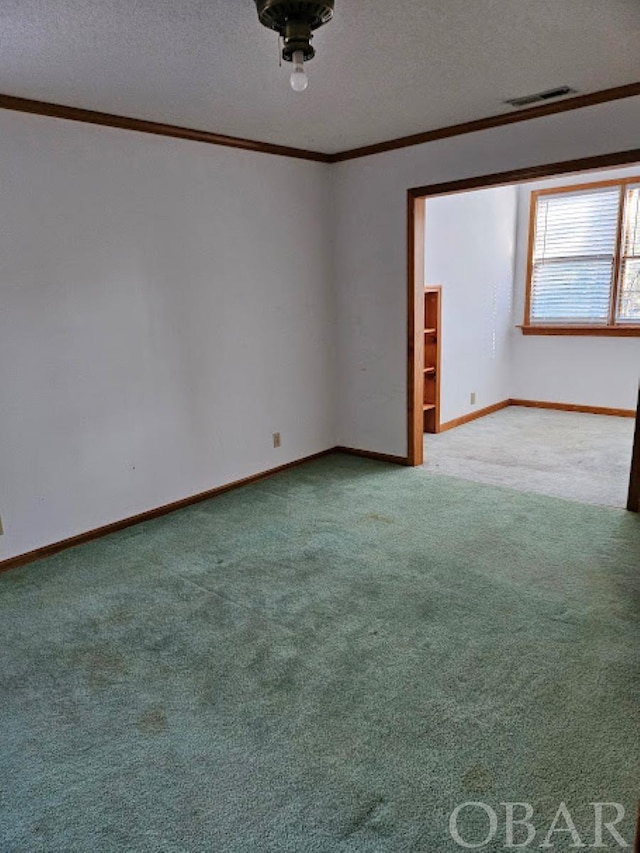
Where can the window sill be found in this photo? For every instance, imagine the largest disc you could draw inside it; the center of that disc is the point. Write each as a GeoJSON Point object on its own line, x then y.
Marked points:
{"type": "Point", "coordinates": [605, 331]}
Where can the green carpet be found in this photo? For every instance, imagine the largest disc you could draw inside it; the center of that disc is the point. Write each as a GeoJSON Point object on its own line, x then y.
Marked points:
{"type": "Point", "coordinates": [331, 659]}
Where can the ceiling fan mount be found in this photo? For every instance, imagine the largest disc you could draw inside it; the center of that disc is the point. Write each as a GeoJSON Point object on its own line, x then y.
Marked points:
{"type": "Point", "coordinates": [294, 21]}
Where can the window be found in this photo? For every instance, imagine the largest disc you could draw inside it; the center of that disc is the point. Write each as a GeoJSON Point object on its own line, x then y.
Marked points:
{"type": "Point", "coordinates": [584, 259]}
{"type": "Point", "coordinates": [628, 310]}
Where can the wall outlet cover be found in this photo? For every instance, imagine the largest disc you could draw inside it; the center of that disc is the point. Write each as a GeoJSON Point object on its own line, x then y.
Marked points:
{"type": "Point", "coordinates": [276, 439]}
{"type": "Point", "coordinates": [473, 398]}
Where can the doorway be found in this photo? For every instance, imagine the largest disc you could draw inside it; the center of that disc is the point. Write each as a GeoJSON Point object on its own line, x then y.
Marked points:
{"type": "Point", "coordinates": [420, 376]}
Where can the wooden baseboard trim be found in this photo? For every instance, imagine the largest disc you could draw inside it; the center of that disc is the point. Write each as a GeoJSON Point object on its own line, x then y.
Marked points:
{"type": "Point", "coordinates": [537, 404]}
{"type": "Point", "coordinates": [114, 527]}
{"type": "Point", "coordinates": [473, 416]}
{"type": "Point", "coordinates": [149, 515]}
{"type": "Point", "coordinates": [573, 407]}
{"type": "Point", "coordinates": [370, 454]}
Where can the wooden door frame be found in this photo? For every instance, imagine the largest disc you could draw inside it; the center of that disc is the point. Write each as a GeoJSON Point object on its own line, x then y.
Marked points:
{"type": "Point", "coordinates": [416, 223]}
{"type": "Point", "coordinates": [633, 501]}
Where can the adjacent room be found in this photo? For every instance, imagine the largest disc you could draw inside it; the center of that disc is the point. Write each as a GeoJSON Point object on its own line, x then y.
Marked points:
{"type": "Point", "coordinates": [250, 251]}
{"type": "Point", "coordinates": [532, 291]}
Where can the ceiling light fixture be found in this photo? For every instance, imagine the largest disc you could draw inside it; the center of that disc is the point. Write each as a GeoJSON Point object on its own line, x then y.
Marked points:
{"type": "Point", "coordinates": [294, 21]}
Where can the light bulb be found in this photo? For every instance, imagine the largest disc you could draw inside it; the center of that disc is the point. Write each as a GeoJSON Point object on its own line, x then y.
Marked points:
{"type": "Point", "coordinates": [299, 79]}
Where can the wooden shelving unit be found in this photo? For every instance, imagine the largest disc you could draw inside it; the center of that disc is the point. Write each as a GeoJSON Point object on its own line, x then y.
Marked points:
{"type": "Point", "coordinates": [431, 358]}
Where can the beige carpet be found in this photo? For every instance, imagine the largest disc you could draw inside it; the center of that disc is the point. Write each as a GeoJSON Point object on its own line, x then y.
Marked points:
{"type": "Point", "coordinates": [569, 455]}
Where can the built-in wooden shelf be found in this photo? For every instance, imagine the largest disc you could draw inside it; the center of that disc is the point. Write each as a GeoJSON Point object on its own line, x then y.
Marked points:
{"type": "Point", "coordinates": [431, 360]}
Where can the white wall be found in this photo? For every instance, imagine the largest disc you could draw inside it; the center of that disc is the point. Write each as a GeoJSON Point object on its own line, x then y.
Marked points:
{"type": "Point", "coordinates": [483, 351]}
{"type": "Point", "coordinates": [370, 247]}
{"type": "Point", "coordinates": [164, 308]}
{"type": "Point", "coordinates": [591, 371]}
{"type": "Point", "coordinates": [470, 250]}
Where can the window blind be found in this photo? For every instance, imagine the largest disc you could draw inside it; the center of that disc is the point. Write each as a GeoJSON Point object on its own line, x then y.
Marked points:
{"type": "Point", "coordinates": [628, 309]}
{"type": "Point", "coordinates": [574, 256]}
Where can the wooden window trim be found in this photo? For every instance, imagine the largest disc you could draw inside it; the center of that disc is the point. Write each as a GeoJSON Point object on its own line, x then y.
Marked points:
{"type": "Point", "coordinates": [613, 328]}
{"type": "Point", "coordinates": [619, 331]}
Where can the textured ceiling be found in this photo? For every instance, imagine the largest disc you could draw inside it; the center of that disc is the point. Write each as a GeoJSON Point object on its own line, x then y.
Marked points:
{"type": "Point", "coordinates": [385, 68]}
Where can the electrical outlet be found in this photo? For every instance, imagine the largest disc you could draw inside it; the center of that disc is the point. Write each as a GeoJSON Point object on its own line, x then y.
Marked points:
{"type": "Point", "coordinates": [1, 527]}
{"type": "Point", "coordinates": [473, 398]}
{"type": "Point", "coordinates": [276, 439]}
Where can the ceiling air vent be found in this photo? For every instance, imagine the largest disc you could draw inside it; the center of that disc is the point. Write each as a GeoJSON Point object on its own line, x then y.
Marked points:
{"type": "Point", "coordinates": [541, 97]}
